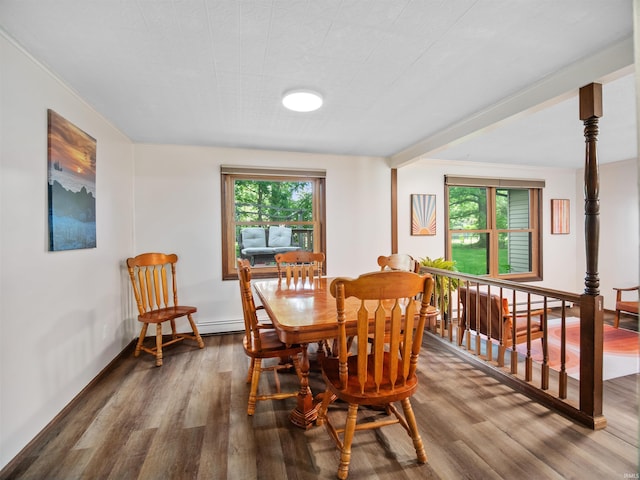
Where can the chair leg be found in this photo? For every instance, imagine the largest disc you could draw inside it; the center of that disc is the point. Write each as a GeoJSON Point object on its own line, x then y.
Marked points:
{"type": "Point", "coordinates": [616, 319]}
{"type": "Point", "coordinates": [143, 333]}
{"type": "Point", "coordinates": [255, 380]}
{"type": "Point", "coordinates": [158, 344]}
{"type": "Point", "coordinates": [250, 372]}
{"type": "Point", "coordinates": [194, 329]}
{"type": "Point", "coordinates": [349, 430]}
{"type": "Point", "coordinates": [413, 427]}
{"type": "Point", "coordinates": [174, 333]}
{"type": "Point", "coordinates": [324, 406]}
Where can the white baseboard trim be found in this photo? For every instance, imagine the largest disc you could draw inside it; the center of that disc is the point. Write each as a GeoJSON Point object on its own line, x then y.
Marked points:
{"type": "Point", "coordinates": [205, 328]}
{"type": "Point", "coordinates": [226, 326]}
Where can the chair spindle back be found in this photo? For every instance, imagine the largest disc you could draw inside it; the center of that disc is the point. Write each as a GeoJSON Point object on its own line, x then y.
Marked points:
{"type": "Point", "coordinates": [387, 309]}
{"type": "Point", "coordinates": [300, 265]}
{"type": "Point", "coordinates": [153, 277]}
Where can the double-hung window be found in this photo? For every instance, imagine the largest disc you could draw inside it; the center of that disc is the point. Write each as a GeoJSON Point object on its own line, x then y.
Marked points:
{"type": "Point", "coordinates": [268, 211]}
{"type": "Point", "coordinates": [493, 226]}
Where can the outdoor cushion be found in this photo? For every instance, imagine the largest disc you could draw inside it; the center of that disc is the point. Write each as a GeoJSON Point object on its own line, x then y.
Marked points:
{"type": "Point", "coordinates": [279, 237]}
{"type": "Point", "coordinates": [253, 237]}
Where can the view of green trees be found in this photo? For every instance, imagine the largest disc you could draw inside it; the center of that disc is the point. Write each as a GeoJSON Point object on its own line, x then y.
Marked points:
{"type": "Point", "coordinates": [468, 210]}
{"type": "Point", "coordinates": [273, 201]}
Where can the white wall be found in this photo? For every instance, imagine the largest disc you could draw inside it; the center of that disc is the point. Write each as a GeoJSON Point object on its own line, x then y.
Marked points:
{"type": "Point", "coordinates": [427, 176]}
{"type": "Point", "coordinates": [177, 198]}
{"type": "Point", "coordinates": [618, 262]}
{"type": "Point", "coordinates": [61, 313]}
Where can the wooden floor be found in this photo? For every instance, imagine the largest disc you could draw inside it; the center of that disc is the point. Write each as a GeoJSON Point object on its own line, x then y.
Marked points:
{"type": "Point", "coordinates": [187, 420]}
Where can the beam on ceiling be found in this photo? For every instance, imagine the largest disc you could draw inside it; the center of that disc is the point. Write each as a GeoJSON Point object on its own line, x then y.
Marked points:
{"type": "Point", "coordinates": [605, 66]}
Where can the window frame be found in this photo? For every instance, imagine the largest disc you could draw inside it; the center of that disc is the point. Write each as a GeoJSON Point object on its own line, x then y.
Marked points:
{"type": "Point", "coordinates": [228, 176]}
{"type": "Point", "coordinates": [535, 188]}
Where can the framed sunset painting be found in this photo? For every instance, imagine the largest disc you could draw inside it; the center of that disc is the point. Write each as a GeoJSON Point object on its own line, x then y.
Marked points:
{"type": "Point", "coordinates": [71, 185]}
{"type": "Point", "coordinates": [423, 214]}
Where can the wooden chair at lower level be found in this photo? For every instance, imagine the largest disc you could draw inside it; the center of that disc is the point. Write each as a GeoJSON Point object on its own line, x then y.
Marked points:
{"type": "Point", "coordinates": [625, 305]}
{"type": "Point", "coordinates": [299, 265]}
{"type": "Point", "coordinates": [385, 371]}
{"type": "Point", "coordinates": [496, 321]}
{"type": "Point", "coordinates": [262, 343]}
{"type": "Point", "coordinates": [153, 278]}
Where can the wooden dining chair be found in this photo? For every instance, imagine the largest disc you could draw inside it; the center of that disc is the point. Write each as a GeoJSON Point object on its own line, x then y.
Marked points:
{"type": "Point", "coordinates": [381, 373]}
{"type": "Point", "coordinates": [262, 343]}
{"type": "Point", "coordinates": [302, 265]}
{"type": "Point", "coordinates": [153, 278]}
{"type": "Point", "coordinates": [299, 265]}
{"type": "Point", "coordinates": [399, 261]}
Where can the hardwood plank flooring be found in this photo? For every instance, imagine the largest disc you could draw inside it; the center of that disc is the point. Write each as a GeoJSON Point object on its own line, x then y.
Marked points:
{"type": "Point", "coordinates": [187, 420]}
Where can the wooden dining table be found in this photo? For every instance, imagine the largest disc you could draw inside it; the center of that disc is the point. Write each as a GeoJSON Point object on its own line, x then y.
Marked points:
{"type": "Point", "coordinates": [305, 312]}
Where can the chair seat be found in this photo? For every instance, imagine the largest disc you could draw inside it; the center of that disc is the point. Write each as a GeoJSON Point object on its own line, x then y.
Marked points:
{"type": "Point", "coordinates": [164, 314]}
{"type": "Point", "coordinates": [627, 306]}
{"type": "Point", "coordinates": [352, 394]}
{"type": "Point", "coordinates": [271, 346]}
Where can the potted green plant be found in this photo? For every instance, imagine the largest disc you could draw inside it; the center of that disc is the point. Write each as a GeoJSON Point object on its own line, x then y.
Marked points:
{"type": "Point", "coordinates": [442, 283]}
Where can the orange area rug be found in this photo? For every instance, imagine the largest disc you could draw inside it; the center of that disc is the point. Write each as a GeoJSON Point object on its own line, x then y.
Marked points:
{"type": "Point", "coordinates": [621, 349]}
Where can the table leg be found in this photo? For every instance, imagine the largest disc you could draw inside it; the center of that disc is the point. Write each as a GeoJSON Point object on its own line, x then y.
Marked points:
{"type": "Point", "coordinates": [306, 412]}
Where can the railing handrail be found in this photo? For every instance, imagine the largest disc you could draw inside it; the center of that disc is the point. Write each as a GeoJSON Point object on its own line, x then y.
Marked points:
{"type": "Point", "coordinates": [533, 289]}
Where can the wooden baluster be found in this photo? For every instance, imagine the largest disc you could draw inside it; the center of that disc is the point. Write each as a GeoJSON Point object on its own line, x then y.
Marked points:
{"type": "Point", "coordinates": [563, 378]}
{"type": "Point", "coordinates": [528, 370]}
{"type": "Point", "coordinates": [514, 353]}
{"type": "Point", "coordinates": [489, 347]}
{"type": "Point", "coordinates": [545, 349]}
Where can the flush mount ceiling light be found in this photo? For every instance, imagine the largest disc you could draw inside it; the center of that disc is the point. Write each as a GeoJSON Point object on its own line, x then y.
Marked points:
{"type": "Point", "coordinates": [302, 100]}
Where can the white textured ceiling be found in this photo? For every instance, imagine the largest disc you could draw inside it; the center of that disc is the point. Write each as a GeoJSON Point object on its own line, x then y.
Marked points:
{"type": "Point", "coordinates": [400, 78]}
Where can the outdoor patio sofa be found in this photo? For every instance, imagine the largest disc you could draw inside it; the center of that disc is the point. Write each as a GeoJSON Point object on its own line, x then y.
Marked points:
{"type": "Point", "coordinates": [260, 244]}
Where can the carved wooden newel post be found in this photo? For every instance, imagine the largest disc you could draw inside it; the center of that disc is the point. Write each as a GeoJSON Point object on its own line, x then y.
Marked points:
{"type": "Point", "coordinates": [591, 309]}
{"type": "Point", "coordinates": [590, 112]}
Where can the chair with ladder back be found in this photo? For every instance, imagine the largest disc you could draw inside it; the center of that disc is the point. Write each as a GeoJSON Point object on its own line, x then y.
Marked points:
{"type": "Point", "coordinates": [262, 343]}
{"type": "Point", "coordinates": [300, 265]}
{"type": "Point", "coordinates": [153, 278]}
{"type": "Point", "coordinates": [385, 371]}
